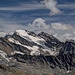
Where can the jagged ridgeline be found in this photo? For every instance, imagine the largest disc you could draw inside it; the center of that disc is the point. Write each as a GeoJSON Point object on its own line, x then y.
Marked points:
{"type": "Point", "coordinates": [27, 53]}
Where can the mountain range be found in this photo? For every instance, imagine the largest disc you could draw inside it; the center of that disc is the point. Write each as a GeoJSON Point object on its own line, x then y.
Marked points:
{"type": "Point", "coordinates": [26, 53]}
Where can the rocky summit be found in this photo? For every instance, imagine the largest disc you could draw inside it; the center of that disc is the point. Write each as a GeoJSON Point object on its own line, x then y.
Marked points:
{"type": "Point", "coordinates": [27, 53]}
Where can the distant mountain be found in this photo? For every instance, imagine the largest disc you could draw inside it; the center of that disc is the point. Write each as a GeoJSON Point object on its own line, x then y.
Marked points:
{"type": "Point", "coordinates": [27, 53]}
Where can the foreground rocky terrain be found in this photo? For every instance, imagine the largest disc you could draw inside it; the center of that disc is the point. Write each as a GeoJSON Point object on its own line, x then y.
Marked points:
{"type": "Point", "coordinates": [27, 53]}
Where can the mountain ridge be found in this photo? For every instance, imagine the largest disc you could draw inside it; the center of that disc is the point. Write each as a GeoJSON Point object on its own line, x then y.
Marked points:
{"type": "Point", "coordinates": [37, 50]}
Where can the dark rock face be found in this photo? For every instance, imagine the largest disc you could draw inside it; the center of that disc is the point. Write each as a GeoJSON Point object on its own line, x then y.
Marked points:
{"type": "Point", "coordinates": [59, 64]}
{"type": "Point", "coordinates": [62, 61]}
{"type": "Point", "coordinates": [51, 41]}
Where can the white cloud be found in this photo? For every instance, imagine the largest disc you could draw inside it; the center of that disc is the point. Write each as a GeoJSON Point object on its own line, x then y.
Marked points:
{"type": "Point", "coordinates": [74, 32]}
{"type": "Point", "coordinates": [68, 36]}
{"type": "Point", "coordinates": [66, 6]}
{"type": "Point", "coordinates": [51, 5]}
{"type": "Point", "coordinates": [23, 7]}
{"type": "Point", "coordinates": [39, 25]}
{"type": "Point", "coordinates": [61, 26]}
{"type": "Point", "coordinates": [61, 31]}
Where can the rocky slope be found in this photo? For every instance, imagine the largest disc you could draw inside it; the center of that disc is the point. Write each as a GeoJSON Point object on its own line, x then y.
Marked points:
{"type": "Point", "coordinates": [27, 53]}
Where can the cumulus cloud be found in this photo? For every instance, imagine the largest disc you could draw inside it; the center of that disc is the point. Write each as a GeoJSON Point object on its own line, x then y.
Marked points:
{"type": "Point", "coordinates": [39, 23]}
{"type": "Point", "coordinates": [66, 36]}
{"type": "Point", "coordinates": [61, 31]}
{"type": "Point", "coordinates": [51, 5]}
{"type": "Point", "coordinates": [61, 26]}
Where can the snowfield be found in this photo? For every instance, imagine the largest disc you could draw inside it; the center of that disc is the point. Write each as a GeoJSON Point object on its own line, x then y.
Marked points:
{"type": "Point", "coordinates": [24, 34]}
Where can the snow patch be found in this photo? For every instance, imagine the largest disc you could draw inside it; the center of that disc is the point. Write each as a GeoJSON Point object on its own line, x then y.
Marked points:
{"type": "Point", "coordinates": [68, 71]}
{"type": "Point", "coordinates": [34, 49]}
{"type": "Point", "coordinates": [18, 52]}
{"type": "Point", "coordinates": [13, 40]}
{"type": "Point", "coordinates": [24, 34]}
{"type": "Point", "coordinates": [3, 54]}
{"type": "Point", "coordinates": [52, 51]}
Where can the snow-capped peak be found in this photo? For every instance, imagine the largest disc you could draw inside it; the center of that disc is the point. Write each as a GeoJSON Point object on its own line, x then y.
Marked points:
{"type": "Point", "coordinates": [24, 34]}
{"type": "Point", "coordinates": [39, 43]}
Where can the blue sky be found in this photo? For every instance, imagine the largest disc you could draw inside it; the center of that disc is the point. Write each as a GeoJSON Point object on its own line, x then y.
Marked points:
{"type": "Point", "coordinates": [25, 11]}
{"type": "Point", "coordinates": [31, 9]}
{"type": "Point", "coordinates": [18, 14]}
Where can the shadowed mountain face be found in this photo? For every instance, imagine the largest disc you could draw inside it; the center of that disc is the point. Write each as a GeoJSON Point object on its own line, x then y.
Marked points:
{"type": "Point", "coordinates": [27, 53]}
